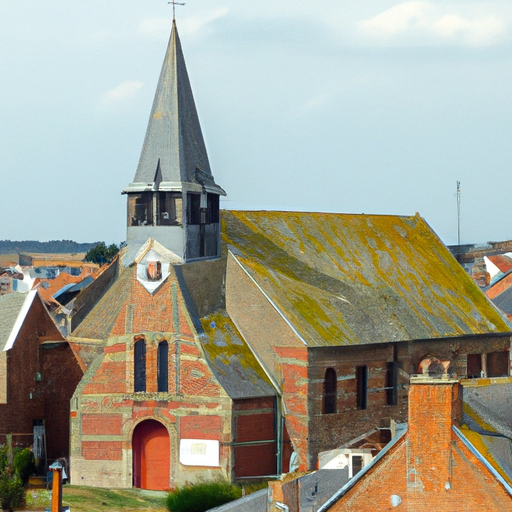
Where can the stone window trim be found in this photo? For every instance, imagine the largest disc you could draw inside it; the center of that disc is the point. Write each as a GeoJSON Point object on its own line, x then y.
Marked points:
{"type": "Point", "coordinates": [139, 364]}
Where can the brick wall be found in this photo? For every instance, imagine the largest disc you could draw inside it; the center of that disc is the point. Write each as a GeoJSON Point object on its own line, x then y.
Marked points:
{"type": "Point", "coordinates": [432, 408]}
{"type": "Point", "coordinates": [3, 377]}
{"type": "Point", "coordinates": [108, 410]}
{"type": "Point", "coordinates": [201, 427]}
{"type": "Point", "coordinates": [255, 420]}
{"type": "Point", "coordinates": [430, 468]}
{"type": "Point", "coordinates": [332, 430]}
{"type": "Point", "coordinates": [295, 386]}
{"type": "Point", "coordinates": [48, 400]}
{"type": "Point", "coordinates": [61, 374]}
{"type": "Point", "coordinates": [105, 424]}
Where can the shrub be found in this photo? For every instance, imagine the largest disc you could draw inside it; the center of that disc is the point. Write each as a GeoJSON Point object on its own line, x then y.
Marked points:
{"type": "Point", "coordinates": [38, 498]}
{"type": "Point", "coordinates": [202, 497]}
{"type": "Point", "coordinates": [12, 492]}
{"type": "Point", "coordinates": [24, 464]}
{"type": "Point", "coordinates": [3, 458]}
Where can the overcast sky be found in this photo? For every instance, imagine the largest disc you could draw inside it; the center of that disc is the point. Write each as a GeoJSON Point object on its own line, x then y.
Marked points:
{"type": "Point", "coordinates": [360, 106]}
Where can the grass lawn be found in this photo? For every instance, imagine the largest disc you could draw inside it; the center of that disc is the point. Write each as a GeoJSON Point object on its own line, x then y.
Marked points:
{"type": "Point", "coordinates": [92, 499]}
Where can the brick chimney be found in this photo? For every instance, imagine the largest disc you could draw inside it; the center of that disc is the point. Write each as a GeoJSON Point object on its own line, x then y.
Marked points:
{"type": "Point", "coordinates": [435, 404]}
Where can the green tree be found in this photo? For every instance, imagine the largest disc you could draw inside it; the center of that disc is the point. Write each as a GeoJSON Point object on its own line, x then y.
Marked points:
{"type": "Point", "coordinates": [102, 254]}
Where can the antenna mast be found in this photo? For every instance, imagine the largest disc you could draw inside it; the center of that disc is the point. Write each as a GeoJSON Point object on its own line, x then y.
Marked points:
{"type": "Point", "coordinates": [458, 212]}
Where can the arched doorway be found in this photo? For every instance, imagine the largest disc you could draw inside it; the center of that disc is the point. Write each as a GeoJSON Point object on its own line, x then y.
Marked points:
{"type": "Point", "coordinates": [151, 456]}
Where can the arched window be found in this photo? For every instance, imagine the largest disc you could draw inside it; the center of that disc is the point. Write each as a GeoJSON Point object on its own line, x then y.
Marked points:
{"type": "Point", "coordinates": [163, 365]}
{"type": "Point", "coordinates": [139, 361]}
{"type": "Point", "coordinates": [329, 405]}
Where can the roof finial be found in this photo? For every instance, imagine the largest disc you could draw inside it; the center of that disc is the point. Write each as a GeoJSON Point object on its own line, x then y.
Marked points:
{"type": "Point", "coordinates": [174, 4]}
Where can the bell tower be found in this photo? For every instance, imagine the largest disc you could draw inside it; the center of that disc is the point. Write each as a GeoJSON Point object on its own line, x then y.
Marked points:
{"type": "Point", "coordinates": [174, 198]}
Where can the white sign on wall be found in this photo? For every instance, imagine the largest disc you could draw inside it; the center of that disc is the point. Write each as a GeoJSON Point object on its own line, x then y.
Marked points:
{"type": "Point", "coordinates": [199, 452]}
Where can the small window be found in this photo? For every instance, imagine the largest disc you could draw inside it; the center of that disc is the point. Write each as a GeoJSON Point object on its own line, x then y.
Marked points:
{"type": "Point", "coordinates": [167, 215]}
{"type": "Point", "coordinates": [474, 366]}
{"type": "Point", "coordinates": [329, 405]}
{"type": "Point", "coordinates": [356, 464]}
{"type": "Point", "coordinates": [362, 386]}
{"type": "Point", "coordinates": [163, 365]}
{"type": "Point", "coordinates": [498, 364]}
{"type": "Point", "coordinates": [154, 270]}
{"type": "Point", "coordinates": [140, 209]}
{"type": "Point", "coordinates": [194, 208]}
{"type": "Point", "coordinates": [392, 383]}
{"type": "Point", "coordinates": [140, 365]}
{"type": "Point", "coordinates": [213, 209]}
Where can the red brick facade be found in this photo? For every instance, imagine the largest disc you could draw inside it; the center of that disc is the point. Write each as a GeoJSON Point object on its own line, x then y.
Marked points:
{"type": "Point", "coordinates": [430, 468]}
{"type": "Point", "coordinates": [300, 371]}
{"type": "Point", "coordinates": [107, 409]}
{"type": "Point", "coordinates": [39, 350]}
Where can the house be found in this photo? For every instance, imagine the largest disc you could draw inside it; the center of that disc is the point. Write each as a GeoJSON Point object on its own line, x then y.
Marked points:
{"type": "Point", "coordinates": [38, 374]}
{"type": "Point", "coordinates": [230, 343]}
{"type": "Point", "coordinates": [431, 465]}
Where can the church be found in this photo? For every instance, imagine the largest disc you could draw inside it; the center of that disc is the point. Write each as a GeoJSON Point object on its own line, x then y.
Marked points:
{"type": "Point", "coordinates": [231, 342]}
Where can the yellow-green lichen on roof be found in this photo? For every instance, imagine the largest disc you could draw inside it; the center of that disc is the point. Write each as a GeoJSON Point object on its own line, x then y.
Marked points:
{"type": "Point", "coordinates": [232, 362]}
{"type": "Point", "coordinates": [343, 279]}
{"type": "Point", "coordinates": [492, 449]}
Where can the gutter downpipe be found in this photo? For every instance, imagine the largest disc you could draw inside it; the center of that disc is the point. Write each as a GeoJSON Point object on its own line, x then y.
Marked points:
{"type": "Point", "coordinates": [279, 436]}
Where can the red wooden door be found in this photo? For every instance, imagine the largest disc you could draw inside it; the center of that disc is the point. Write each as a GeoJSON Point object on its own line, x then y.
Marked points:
{"type": "Point", "coordinates": [151, 456]}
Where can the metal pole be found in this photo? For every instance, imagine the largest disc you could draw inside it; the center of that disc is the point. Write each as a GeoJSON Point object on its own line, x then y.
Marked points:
{"type": "Point", "coordinates": [458, 212]}
{"type": "Point", "coordinates": [57, 489]}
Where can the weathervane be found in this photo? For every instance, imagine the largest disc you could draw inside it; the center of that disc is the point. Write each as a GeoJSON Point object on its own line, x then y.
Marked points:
{"type": "Point", "coordinates": [174, 4]}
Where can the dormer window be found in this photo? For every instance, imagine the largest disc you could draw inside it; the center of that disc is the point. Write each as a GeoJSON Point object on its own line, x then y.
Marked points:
{"type": "Point", "coordinates": [154, 270]}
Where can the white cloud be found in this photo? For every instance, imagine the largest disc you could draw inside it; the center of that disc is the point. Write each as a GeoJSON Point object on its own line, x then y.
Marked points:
{"type": "Point", "coordinates": [399, 18]}
{"type": "Point", "coordinates": [195, 26]}
{"type": "Point", "coordinates": [423, 22]}
{"type": "Point", "coordinates": [472, 32]}
{"type": "Point", "coordinates": [123, 92]}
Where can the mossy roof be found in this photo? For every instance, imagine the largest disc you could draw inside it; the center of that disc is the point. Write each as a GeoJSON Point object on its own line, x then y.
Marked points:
{"type": "Point", "coordinates": [98, 324]}
{"type": "Point", "coordinates": [231, 360]}
{"type": "Point", "coordinates": [344, 279]}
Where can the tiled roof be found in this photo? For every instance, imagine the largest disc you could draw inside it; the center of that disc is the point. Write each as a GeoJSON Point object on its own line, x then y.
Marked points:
{"type": "Point", "coordinates": [344, 279]}
{"type": "Point", "coordinates": [47, 288]}
{"type": "Point", "coordinates": [504, 301]}
{"type": "Point", "coordinates": [10, 308]}
{"type": "Point", "coordinates": [504, 263]}
{"type": "Point", "coordinates": [174, 151]}
{"type": "Point", "coordinates": [231, 360]}
{"type": "Point", "coordinates": [499, 286]}
{"type": "Point", "coordinates": [99, 322]}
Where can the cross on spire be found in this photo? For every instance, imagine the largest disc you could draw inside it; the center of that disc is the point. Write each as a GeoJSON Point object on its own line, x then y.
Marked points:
{"type": "Point", "coordinates": [174, 4]}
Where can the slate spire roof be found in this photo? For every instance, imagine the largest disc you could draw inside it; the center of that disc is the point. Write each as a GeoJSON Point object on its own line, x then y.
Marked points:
{"type": "Point", "coordinates": [174, 152]}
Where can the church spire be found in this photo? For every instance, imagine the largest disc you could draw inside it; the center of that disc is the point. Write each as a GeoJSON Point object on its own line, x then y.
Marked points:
{"type": "Point", "coordinates": [174, 198]}
{"type": "Point", "coordinates": [174, 143]}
